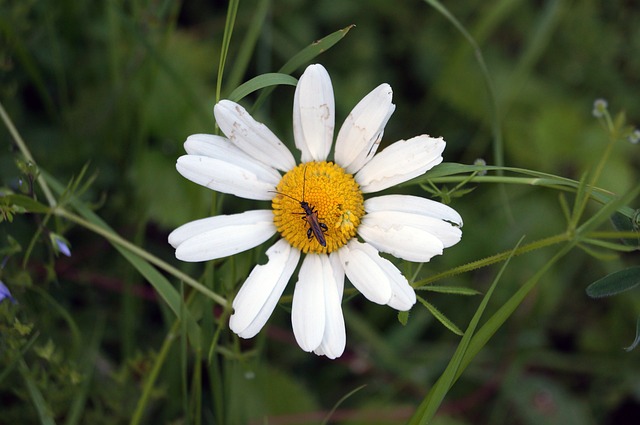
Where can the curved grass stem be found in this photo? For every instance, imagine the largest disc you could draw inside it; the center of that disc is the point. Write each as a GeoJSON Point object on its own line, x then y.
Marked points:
{"type": "Point", "coordinates": [152, 259]}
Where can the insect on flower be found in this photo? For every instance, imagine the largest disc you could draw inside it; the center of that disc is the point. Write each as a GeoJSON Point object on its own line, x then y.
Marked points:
{"type": "Point", "coordinates": [346, 234]}
{"type": "Point", "coordinates": [316, 228]}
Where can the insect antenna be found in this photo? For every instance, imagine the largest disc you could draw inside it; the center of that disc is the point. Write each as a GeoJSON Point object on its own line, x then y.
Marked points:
{"type": "Point", "coordinates": [304, 187]}
{"type": "Point", "coordinates": [304, 180]}
{"type": "Point", "coordinates": [284, 194]}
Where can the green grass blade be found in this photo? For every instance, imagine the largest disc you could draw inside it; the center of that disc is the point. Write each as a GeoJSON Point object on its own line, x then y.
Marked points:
{"type": "Point", "coordinates": [260, 82]}
{"type": "Point", "coordinates": [65, 315]}
{"type": "Point", "coordinates": [152, 375]}
{"type": "Point", "coordinates": [305, 55]}
{"type": "Point", "coordinates": [232, 11]}
{"type": "Point", "coordinates": [494, 323]}
{"type": "Point", "coordinates": [428, 408]}
{"type": "Point", "coordinates": [615, 204]}
{"type": "Point", "coordinates": [446, 322]}
{"type": "Point", "coordinates": [163, 287]}
{"type": "Point", "coordinates": [243, 56]}
{"type": "Point", "coordinates": [314, 49]}
{"type": "Point", "coordinates": [88, 366]}
{"type": "Point", "coordinates": [15, 361]}
{"type": "Point", "coordinates": [342, 400]}
{"type": "Point", "coordinates": [496, 125]}
{"type": "Point", "coordinates": [635, 342]}
{"type": "Point", "coordinates": [42, 408]}
{"type": "Point", "coordinates": [445, 173]}
{"type": "Point", "coordinates": [453, 290]}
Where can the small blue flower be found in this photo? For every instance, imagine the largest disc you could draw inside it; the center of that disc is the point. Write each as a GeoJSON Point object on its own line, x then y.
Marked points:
{"type": "Point", "coordinates": [5, 293]}
{"type": "Point", "coordinates": [61, 244]}
{"type": "Point", "coordinates": [64, 249]}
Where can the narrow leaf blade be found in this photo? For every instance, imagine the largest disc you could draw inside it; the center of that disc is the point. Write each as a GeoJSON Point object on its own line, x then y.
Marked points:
{"type": "Point", "coordinates": [260, 82]}
{"type": "Point", "coordinates": [615, 283]}
{"type": "Point", "coordinates": [446, 322]}
{"type": "Point", "coordinates": [634, 344]}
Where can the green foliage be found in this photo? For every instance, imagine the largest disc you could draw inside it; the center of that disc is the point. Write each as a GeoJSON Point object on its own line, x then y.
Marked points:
{"type": "Point", "coordinates": [102, 95]}
{"type": "Point", "coordinates": [615, 283]}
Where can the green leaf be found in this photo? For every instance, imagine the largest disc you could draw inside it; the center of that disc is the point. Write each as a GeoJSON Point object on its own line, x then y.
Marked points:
{"type": "Point", "coordinates": [251, 34]}
{"type": "Point", "coordinates": [615, 283]}
{"type": "Point", "coordinates": [260, 82]}
{"type": "Point", "coordinates": [42, 407]}
{"type": "Point", "coordinates": [623, 223]}
{"type": "Point", "coordinates": [446, 172]}
{"type": "Point", "coordinates": [452, 168]}
{"type": "Point", "coordinates": [314, 49]}
{"type": "Point", "coordinates": [494, 323]}
{"type": "Point", "coordinates": [342, 400]}
{"type": "Point", "coordinates": [29, 204]}
{"type": "Point", "coordinates": [634, 344]}
{"type": "Point", "coordinates": [305, 55]}
{"type": "Point", "coordinates": [468, 347]}
{"type": "Point", "coordinates": [441, 317]}
{"type": "Point", "coordinates": [161, 284]}
{"type": "Point", "coordinates": [456, 290]}
{"type": "Point", "coordinates": [87, 366]}
{"type": "Point", "coordinates": [403, 317]}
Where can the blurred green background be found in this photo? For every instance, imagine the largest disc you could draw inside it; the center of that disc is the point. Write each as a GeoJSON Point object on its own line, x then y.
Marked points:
{"type": "Point", "coordinates": [119, 85]}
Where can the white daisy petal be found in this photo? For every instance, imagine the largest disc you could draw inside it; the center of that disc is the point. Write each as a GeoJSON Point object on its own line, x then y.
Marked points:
{"type": "Point", "coordinates": [252, 137]}
{"type": "Point", "coordinates": [213, 146]}
{"type": "Point", "coordinates": [334, 339]}
{"type": "Point", "coordinates": [260, 293]}
{"type": "Point", "coordinates": [361, 265]}
{"type": "Point", "coordinates": [408, 236]}
{"type": "Point", "coordinates": [376, 277]}
{"type": "Point", "coordinates": [222, 235]}
{"type": "Point", "coordinates": [338, 272]}
{"type": "Point", "coordinates": [399, 162]}
{"type": "Point", "coordinates": [403, 296]}
{"type": "Point", "coordinates": [427, 220]}
{"type": "Point", "coordinates": [221, 148]}
{"type": "Point", "coordinates": [313, 114]}
{"type": "Point", "coordinates": [227, 177]}
{"type": "Point", "coordinates": [249, 163]}
{"type": "Point", "coordinates": [360, 135]}
{"type": "Point", "coordinates": [308, 315]}
{"type": "Point", "coordinates": [414, 205]}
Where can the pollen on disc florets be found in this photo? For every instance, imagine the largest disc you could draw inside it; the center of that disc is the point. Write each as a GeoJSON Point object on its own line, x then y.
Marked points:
{"type": "Point", "coordinates": [330, 192]}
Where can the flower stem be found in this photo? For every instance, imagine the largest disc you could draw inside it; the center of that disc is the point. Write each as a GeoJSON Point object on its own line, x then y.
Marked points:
{"type": "Point", "coordinates": [120, 241]}
{"type": "Point", "coordinates": [153, 374]}
{"type": "Point", "coordinates": [27, 154]}
{"type": "Point", "coordinates": [496, 258]}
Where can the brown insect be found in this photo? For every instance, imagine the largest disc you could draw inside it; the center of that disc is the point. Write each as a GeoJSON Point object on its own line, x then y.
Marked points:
{"type": "Point", "coordinates": [310, 215]}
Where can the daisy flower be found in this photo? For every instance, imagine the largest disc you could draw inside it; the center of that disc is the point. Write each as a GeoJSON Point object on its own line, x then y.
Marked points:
{"type": "Point", "coordinates": [317, 209]}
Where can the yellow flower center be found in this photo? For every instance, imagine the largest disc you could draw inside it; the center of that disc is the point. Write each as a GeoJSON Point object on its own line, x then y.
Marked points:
{"type": "Point", "coordinates": [318, 207]}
